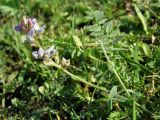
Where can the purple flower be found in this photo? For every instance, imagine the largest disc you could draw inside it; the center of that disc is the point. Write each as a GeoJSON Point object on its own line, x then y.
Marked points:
{"type": "Point", "coordinates": [51, 51]}
{"type": "Point", "coordinates": [30, 27]}
{"type": "Point", "coordinates": [38, 54]}
{"type": "Point", "coordinates": [25, 25]}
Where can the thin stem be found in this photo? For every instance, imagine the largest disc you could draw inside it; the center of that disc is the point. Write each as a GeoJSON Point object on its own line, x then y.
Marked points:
{"type": "Point", "coordinates": [114, 70]}
{"type": "Point", "coordinates": [119, 79]}
{"type": "Point", "coordinates": [78, 78]}
{"type": "Point", "coordinates": [134, 110]}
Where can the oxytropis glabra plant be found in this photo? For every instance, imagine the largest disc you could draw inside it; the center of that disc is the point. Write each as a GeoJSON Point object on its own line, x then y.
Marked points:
{"type": "Point", "coordinates": [48, 54]}
{"type": "Point", "coordinates": [31, 29]}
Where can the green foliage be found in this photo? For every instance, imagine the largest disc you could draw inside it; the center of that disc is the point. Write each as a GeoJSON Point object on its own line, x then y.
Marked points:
{"type": "Point", "coordinates": [113, 47]}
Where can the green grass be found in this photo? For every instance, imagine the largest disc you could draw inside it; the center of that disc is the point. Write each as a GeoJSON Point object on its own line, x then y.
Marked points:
{"type": "Point", "coordinates": [114, 53]}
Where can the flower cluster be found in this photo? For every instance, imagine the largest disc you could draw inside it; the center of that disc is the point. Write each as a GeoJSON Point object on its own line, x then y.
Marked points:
{"type": "Point", "coordinates": [48, 53]}
{"type": "Point", "coordinates": [30, 27]}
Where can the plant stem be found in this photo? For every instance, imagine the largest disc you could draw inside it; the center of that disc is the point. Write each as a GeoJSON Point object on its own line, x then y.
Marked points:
{"type": "Point", "coordinates": [78, 78]}
{"type": "Point", "coordinates": [134, 110]}
{"type": "Point", "coordinates": [114, 71]}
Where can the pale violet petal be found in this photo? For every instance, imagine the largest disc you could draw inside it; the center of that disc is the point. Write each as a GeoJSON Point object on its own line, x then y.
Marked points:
{"type": "Point", "coordinates": [17, 28]}
{"type": "Point", "coordinates": [35, 55]}
{"type": "Point", "coordinates": [40, 52]}
{"type": "Point", "coordinates": [34, 21]}
{"type": "Point", "coordinates": [36, 26]}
